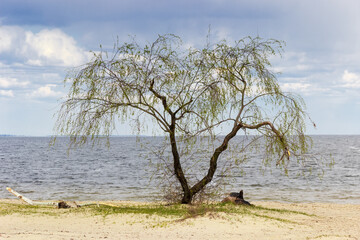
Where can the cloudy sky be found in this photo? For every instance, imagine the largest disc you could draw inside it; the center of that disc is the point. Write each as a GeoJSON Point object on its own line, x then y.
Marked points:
{"type": "Point", "coordinates": [40, 40]}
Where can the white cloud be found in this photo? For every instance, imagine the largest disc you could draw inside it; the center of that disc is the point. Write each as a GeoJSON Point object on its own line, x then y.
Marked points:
{"type": "Point", "coordinates": [350, 80]}
{"type": "Point", "coordinates": [6, 93]}
{"type": "Point", "coordinates": [11, 82]}
{"type": "Point", "coordinates": [292, 87]}
{"type": "Point", "coordinates": [54, 77]}
{"type": "Point", "coordinates": [293, 62]}
{"type": "Point", "coordinates": [8, 36]}
{"type": "Point", "coordinates": [45, 91]}
{"type": "Point", "coordinates": [52, 47]}
{"type": "Point", "coordinates": [49, 47]}
{"type": "Point", "coordinates": [305, 88]}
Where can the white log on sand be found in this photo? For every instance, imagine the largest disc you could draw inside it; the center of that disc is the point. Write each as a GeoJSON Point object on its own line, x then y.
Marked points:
{"type": "Point", "coordinates": [59, 204]}
{"type": "Point", "coordinates": [29, 201]}
{"type": "Point", "coordinates": [19, 196]}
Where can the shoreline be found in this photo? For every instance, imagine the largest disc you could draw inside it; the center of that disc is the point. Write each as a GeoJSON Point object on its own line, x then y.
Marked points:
{"type": "Point", "coordinates": [269, 220]}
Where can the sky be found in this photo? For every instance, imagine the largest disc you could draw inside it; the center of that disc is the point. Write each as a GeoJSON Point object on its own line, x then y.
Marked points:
{"type": "Point", "coordinates": [42, 40]}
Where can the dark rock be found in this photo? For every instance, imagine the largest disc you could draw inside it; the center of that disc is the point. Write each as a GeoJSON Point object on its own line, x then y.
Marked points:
{"type": "Point", "coordinates": [236, 198]}
{"type": "Point", "coordinates": [63, 204]}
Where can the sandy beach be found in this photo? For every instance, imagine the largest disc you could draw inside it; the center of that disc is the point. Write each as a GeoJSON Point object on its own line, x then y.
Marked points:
{"type": "Point", "coordinates": [271, 220]}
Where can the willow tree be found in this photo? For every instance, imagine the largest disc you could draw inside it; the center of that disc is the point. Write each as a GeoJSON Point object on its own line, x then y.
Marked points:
{"type": "Point", "coordinates": [188, 93]}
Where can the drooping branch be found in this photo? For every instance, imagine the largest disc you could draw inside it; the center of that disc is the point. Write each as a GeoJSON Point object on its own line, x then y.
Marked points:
{"type": "Point", "coordinates": [280, 136]}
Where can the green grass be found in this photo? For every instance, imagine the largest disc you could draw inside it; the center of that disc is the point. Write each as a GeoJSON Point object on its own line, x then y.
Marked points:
{"type": "Point", "coordinates": [13, 208]}
{"type": "Point", "coordinates": [177, 211]}
{"type": "Point", "coordinates": [161, 210]}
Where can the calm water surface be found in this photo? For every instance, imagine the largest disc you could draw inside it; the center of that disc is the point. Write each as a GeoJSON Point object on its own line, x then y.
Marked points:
{"type": "Point", "coordinates": [122, 172]}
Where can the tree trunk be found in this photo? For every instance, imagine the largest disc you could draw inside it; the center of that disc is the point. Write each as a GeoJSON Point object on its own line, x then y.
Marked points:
{"type": "Point", "coordinates": [190, 192]}
{"type": "Point", "coordinates": [213, 161]}
{"type": "Point", "coordinates": [187, 197]}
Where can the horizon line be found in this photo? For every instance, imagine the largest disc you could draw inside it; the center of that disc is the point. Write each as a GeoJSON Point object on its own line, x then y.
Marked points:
{"type": "Point", "coordinates": [142, 135]}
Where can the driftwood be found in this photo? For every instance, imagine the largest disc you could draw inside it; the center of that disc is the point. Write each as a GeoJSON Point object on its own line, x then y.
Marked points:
{"type": "Point", "coordinates": [59, 204]}
{"type": "Point", "coordinates": [236, 198]}
{"type": "Point", "coordinates": [21, 197]}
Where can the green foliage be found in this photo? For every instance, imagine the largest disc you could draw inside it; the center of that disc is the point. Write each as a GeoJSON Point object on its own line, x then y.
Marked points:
{"type": "Point", "coordinates": [188, 93]}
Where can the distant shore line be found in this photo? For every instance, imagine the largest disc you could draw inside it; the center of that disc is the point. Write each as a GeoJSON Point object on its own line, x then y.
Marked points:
{"type": "Point", "coordinates": [149, 136]}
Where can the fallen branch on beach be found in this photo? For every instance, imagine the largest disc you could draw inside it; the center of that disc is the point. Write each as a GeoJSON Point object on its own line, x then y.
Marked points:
{"type": "Point", "coordinates": [59, 204]}
{"type": "Point", "coordinates": [21, 197]}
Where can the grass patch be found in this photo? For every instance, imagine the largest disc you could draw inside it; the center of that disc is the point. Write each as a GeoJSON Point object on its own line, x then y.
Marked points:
{"type": "Point", "coordinates": [161, 210]}
{"type": "Point", "coordinates": [177, 211]}
{"type": "Point", "coordinates": [13, 208]}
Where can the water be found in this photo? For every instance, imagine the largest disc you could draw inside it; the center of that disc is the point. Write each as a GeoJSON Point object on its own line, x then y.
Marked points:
{"type": "Point", "coordinates": [122, 172]}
